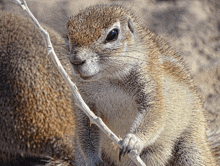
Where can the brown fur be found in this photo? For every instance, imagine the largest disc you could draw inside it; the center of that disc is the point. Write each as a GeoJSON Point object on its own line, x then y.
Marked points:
{"type": "Point", "coordinates": [36, 111]}
{"type": "Point", "coordinates": [140, 87]}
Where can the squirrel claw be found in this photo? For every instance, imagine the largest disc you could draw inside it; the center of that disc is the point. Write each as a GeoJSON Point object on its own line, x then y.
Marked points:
{"type": "Point", "coordinates": [129, 143]}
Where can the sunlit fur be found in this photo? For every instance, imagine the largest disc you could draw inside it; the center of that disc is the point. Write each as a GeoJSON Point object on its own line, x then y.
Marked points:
{"type": "Point", "coordinates": [36, 112]}
{"type": "Point", "coordinates": [141, 89]}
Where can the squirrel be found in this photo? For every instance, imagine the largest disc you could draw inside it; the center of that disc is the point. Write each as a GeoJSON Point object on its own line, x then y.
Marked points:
{"type": "Point", "coordinates": [140, 87]}
{"type": "Point", "coordinates": [36, 109]}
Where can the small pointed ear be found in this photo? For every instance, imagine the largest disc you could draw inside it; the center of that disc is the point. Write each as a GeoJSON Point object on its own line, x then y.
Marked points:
{"type": "Point", "coordinates": [68, 24]}
{"type": "Point", "coordinates": [131, 25]}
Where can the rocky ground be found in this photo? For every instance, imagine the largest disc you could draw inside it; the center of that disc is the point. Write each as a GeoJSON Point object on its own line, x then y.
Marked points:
{"type": "Point", "coordinates": [192, 27]}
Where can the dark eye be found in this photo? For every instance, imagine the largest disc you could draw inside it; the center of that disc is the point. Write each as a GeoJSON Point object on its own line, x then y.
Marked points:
{"type": "Point", "coordinates": [112, 36]}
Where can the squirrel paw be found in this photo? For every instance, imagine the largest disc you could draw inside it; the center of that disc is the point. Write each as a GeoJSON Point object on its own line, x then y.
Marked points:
{"type": "Point", "coordinates": [129, 143]}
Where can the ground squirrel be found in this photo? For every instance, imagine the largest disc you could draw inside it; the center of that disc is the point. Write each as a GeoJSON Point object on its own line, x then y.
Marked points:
{"type": "Point", "coordinates": [140, 87]}
{"type": "Point", "coordinates": [36, 115]}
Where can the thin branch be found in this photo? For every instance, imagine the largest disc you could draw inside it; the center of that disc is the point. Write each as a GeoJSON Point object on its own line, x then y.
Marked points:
{"type": "Point", "coordinates": [78, 99]}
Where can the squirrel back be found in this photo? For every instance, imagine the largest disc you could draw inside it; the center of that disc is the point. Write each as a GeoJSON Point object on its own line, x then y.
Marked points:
{"type": "Point", "coordinates": [36, 110]}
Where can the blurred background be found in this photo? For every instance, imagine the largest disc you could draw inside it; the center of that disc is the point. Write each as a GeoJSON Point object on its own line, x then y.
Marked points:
{"type": "Point", "coordinates": [192, 27]}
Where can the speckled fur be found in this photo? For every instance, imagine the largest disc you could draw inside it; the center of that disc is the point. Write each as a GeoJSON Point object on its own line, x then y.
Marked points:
{"type": "Point", "coordinates": [138, 85]}
{"type": "Point", "coordinates": [36, 111]}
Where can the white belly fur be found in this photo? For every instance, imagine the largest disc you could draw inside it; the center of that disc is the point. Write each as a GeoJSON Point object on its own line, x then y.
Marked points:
{"type": "Point", "coordinates": [117, 108]}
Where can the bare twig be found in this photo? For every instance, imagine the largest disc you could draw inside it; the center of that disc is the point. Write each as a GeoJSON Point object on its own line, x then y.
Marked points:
{"type": "Point", "coordinates": [78, 99]}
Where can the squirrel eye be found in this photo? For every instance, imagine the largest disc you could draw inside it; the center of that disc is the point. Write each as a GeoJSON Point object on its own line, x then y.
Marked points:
{"type": "Point", "coordinates": [112, 36]}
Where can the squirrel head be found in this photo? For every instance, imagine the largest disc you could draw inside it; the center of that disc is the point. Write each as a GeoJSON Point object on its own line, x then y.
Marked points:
{"type": "Point", "coordinates": [102, 41]}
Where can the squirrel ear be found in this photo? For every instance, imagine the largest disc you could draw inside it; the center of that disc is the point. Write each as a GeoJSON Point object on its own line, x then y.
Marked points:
{"type": "Point", "coordinates": [130, 25]}
{"type": "Point", "coordinates": [67, 25]}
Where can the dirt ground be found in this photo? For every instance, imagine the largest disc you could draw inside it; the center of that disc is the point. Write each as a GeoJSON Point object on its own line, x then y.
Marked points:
{"type": "Point", "coordinates": [192, 27]}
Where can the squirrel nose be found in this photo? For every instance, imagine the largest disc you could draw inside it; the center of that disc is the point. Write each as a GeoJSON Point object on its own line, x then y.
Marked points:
{"type": "Point", "coordinates": [77, 60]}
